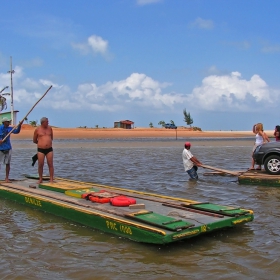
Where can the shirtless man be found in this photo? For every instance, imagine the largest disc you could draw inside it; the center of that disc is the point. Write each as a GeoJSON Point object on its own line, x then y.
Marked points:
{"type": "Point", "coordinates": [43, 136]}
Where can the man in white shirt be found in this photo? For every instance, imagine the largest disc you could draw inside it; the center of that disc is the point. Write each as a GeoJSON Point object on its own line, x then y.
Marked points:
{"type": "Point", "coordinates": [190, 162]}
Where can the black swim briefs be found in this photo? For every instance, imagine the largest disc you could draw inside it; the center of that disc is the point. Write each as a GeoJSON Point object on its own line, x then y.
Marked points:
{"type": "Point", "coordinates": [45, 151]}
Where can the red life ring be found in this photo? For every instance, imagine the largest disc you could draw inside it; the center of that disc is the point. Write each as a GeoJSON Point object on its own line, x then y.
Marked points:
{"type": "Point", "coordinates": [122, 201]}
{"type": "Point", "coordinates": [99, 199]}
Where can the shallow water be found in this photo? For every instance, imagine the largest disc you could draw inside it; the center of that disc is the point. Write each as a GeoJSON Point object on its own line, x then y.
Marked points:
{"type": "Point", "coordinates": [36, 245]}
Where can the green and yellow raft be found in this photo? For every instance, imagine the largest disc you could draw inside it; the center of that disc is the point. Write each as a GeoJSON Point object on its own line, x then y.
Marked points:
{"type": "Point", "coordinates": [151, 219]}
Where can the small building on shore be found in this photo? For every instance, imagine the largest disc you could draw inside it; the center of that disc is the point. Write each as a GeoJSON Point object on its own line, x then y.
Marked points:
{"type": "Point", "coordinates": [9, 116]}
{"type": "Point", "coordinates": [126, 124]}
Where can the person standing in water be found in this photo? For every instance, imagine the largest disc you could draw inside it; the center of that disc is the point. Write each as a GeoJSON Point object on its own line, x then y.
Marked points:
{"type": "Point", "coordinates": [43, 137]}
{"type": "Point", "coordinates": [190, 162]}
{"type": "Point", "coordinates": [261, 138]}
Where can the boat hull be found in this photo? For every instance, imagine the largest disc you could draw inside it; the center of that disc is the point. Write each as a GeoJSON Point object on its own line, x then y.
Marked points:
{"type": "Point", "coordinates": [158, 226]}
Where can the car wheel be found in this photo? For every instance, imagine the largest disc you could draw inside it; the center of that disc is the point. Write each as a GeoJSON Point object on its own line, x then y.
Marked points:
{"type": "Point", "coordinates": [272, 165]}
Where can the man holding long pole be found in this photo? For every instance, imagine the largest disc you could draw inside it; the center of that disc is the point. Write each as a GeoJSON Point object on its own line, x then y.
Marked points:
{"type": "Point", "coordinates": [5, 144]}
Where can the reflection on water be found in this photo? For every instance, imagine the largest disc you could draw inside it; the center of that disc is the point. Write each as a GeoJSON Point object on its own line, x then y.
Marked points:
{"type": "Point", "coordinates": [41, 246]}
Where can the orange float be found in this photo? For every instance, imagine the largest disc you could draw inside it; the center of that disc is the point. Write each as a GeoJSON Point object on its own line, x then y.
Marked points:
{"type": "Point", "coordinates": [99, 199]}
{"type": "Point", "coordinates": [122, 201]}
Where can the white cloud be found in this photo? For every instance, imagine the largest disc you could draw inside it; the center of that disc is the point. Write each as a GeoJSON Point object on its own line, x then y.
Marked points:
{"type": "Point", "coordinates": [147, 2]}
{"type": "Point", "coordinates": [139, 92]}
{"type": "Point", "coordinates": [202, 23]}
{"type": "Point", "coordinates": [95, 44]}
{"type": "Point", "coordinates": [30, 84]}
{"type": "Point", "coordinates": [232, 93]}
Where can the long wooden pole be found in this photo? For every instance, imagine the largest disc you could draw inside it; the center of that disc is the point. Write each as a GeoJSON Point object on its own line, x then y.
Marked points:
{"type": "Point", "coordinates": [26, 114]}
{"type": "Point", "coordinates": [221, 170]}
{"type": "Point", "coordinates": [12, 91]}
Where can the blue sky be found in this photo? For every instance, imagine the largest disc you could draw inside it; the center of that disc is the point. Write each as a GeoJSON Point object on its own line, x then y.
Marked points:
{"type": "Point", "coordinates": [143, 60]}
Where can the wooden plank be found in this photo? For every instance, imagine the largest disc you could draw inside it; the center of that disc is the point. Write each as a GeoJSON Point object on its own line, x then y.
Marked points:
{"type": "Point", "coordinates": [263, 181]}
{"type": "Point", "coordinates": [213, 173]}
{"type": "Point", "coordinates": [221, 170]}
{"type": "Point", "coordinates": [259, 174]}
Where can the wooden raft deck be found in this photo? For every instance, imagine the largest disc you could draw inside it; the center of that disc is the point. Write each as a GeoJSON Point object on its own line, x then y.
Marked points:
{"type": "Point", "coordinates": [247, 177]}
{"type": "Point", "coordinates": [259, 177]}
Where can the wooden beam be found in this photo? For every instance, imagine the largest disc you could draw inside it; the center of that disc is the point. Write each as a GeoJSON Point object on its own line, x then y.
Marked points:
{"type": "Point", "coordinates": [221, 170]}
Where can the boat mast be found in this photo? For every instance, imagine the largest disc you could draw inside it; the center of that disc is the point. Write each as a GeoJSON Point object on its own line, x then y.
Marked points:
{"type": "Point", "coordinates": [12, 97]}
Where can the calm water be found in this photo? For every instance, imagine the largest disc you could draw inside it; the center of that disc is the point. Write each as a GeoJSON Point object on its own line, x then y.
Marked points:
{"type": "Point", "coordinates": [35, 245]}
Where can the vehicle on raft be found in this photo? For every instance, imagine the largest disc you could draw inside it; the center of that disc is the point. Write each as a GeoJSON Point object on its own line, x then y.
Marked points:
{"type": "Point", "coordinates": [268, 155]}
{"type": "Point", "coordinates": [139, 216]}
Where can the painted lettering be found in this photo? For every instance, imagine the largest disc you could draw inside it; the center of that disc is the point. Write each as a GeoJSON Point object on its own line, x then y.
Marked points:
{"type": "Point", "coordinates": [33, 201]}
{"type": "Point", "coordinates": [111, 225]}
{"type": "Point", "coordinates": [125, 229]}
{"type": "Point", "coordinates": [193, 232]}
{"type": "Point", "coordinates": [203, 228]}
{"type": "Point", "coordinates": [242, 220]}
{"type": "Point", "coordinates": [117, 227]}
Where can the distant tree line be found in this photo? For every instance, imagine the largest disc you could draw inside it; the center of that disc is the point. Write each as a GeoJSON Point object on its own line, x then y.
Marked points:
{"type": "Point", "coordinates": [187, 119]}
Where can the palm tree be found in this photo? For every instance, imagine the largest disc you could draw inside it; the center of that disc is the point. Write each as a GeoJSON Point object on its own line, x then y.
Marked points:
{"type": "Point", "coordinates": [33, 123]}
{"type": "Point", "coordinates": [162, 123]}
{"type": "Point", "coordinates": [187, 118]}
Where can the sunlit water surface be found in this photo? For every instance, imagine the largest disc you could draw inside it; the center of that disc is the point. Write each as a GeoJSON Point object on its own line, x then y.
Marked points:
{"type": "Point", "coordinates": [36, 245]}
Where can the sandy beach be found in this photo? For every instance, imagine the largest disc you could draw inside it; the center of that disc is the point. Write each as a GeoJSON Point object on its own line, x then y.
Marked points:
{"type": "Point", "coordinates": [102, 133]}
